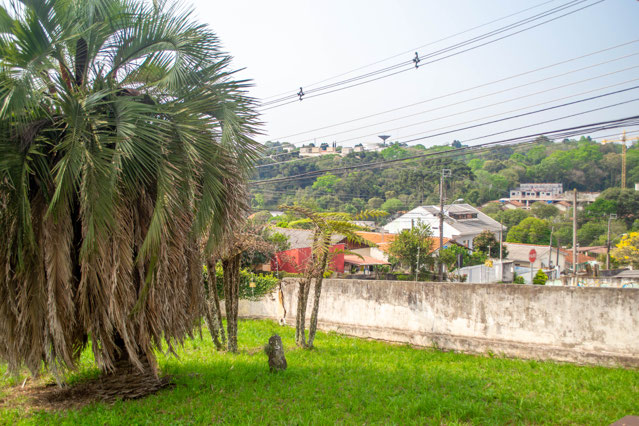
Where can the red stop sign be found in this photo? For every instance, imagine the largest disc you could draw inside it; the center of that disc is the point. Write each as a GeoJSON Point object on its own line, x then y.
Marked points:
{"type": "Point", "coordinates": [532, 256]}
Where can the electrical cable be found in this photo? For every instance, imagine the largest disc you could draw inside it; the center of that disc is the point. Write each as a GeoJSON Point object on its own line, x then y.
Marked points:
{"type": "Point", "coordinates": [476, 87]}
{"type": "Point", "coordinates": [588, 128]}
{"type": "Point", "coordinates": [325, 91]}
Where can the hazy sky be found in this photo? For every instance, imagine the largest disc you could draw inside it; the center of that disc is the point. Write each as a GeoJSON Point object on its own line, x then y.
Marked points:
{"type": "Point", "coordinates": [287, 44]}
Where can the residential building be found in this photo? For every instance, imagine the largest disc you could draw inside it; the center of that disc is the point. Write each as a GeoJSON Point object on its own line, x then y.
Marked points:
{"type": "Point", "coordinates": [529, 193]}
{"type": "Point", "coordinates": [546, 257]}
{"type": "Point", "coordinates": [297, 257]}
{"type": "Point", "coordinates": [462, 222]}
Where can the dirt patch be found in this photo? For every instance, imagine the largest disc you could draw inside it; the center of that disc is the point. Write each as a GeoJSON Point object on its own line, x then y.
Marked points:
{"type": "Point", "coordinates": [37, 395]}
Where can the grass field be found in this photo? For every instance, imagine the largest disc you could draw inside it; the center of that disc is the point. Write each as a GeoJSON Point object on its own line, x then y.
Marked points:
{"type": "Point", "coordinates": [348, 380]}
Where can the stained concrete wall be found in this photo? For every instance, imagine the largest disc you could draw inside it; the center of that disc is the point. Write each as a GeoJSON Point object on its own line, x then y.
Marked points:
{"type": "Point", "coordinates": [574, 324]}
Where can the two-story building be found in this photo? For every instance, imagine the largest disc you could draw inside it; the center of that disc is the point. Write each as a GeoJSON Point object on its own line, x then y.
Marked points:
{"type": "Point", "coordinates": [462, 222]}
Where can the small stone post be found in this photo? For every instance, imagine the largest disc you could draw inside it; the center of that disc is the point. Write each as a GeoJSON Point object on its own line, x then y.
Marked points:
{"type": "Point", "coordinates": [275, 351]}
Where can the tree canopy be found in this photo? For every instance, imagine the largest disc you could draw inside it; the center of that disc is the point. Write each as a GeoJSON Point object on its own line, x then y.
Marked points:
{"type": "Point", "coordinates": [125, 144]}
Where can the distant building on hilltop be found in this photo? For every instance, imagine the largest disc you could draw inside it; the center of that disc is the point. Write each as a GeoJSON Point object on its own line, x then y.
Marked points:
{"type": "Point", "coordinates": [529, 193]}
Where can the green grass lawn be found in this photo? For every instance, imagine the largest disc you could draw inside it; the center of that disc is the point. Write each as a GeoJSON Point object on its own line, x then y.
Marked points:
{"type": "Point", "coordinates": [350, 380]}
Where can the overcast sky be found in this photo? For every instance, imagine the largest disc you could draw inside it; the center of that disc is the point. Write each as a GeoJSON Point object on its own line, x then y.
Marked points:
{"type": "Point", "coordinates": [287, 44]}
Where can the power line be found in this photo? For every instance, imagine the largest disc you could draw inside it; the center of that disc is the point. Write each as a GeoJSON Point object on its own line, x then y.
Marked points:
{"type": "Point", "coordinates": [566, 132]}
{"type": "Point", "coordinates": [573, 83]}
{"type": "Point", "coordinates": [478, 87]}
{"type": "Point", "coordinates": [293, 191]}
{"type": "Point", "coordinates": [325, 90]}
{"type": "Point", "coordinates": [501, 113]}
{"type": "Point", "coordinates": [414, 49]}
{"type": "Point", "coordinates": [444, 50]}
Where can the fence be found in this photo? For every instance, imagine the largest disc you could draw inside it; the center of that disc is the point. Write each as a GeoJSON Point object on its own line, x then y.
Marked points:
{"type": "Point", "coordinates": [575, 324]}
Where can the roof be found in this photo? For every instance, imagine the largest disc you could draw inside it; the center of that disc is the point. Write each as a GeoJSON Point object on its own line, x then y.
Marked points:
{"type": "Point", "coordinates": [300, 238]}
{"type": "Point", "coordinates": [521, 251]}
{"type": "Point", "coordinates": [515, 203]}
{"type": "Point", "coordinates": [377, 237]}
{"type": "Point", "coordinates": [581, 258]}
{"type": "Point", "coordinates": [434, 244]}
{"type": "Point", "coordinates": [628, 274]}
{"type": "Point", "coordinates": [565, 203]}
{"type": "Point", "coordinates": [461, 226]}
{"type": "Point", "coordinates": [363, 261]}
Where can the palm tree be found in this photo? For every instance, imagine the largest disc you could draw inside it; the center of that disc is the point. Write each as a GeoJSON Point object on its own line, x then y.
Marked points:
{"type": "Point", "coordinates": [325, 226]}
{"type": "Point", "coordinates": [124, 141]}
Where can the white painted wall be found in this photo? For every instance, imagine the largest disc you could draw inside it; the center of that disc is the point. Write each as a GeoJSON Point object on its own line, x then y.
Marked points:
{"type": "Point", "coordinates": [584, 325]}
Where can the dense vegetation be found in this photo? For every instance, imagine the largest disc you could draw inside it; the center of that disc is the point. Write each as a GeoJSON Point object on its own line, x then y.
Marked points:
{"type": "Point", "coordinates": [347, 380]}
{"type": "Point", "coordinates": [584, 164]}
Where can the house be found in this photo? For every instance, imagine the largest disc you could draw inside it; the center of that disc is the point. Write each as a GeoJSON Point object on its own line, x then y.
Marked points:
{"type": "Point", "coordinates": [512, 204]}
{"type": "Point", "coordinates": [546, 257]}
{"type": "Point", "coordinates": [462, 222]}
{"type": "Point", "coordinates": [295, 259]}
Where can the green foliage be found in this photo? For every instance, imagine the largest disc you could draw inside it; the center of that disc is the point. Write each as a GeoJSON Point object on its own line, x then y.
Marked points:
{"type": "Point", "coordinates": [518, 279]}
{"type": "Point", "coordinates": [441, 387]}
{"type": "Point", "coordinates": [450, 253]}
{"type": "Point", "coordinates": [410, 243]}
{"type": "Point", "coordinates": [326, 183]}
{"type": "Point", "coordinates": [486, 241]}
{"type": "Point", "coordinates": [531, 231]}
{"type": "Point", "coordinates": [540, 278]}
{"type": "Point", "coordinates": [264, 284]}
{"type": "Point", "coordinates": [375, 203]}
{"type": "Point", "coordinates": [393, 205]}
{"type": "Point", "coordinates": [543, 210]}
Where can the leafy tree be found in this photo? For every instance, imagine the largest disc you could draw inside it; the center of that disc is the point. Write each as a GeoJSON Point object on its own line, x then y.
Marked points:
{"type": "Point", "coordinates": [531, 231]}
{"type": "Point", "coordinates": [393, 205]}
{"type": "Point", "coordinates": [540, 278]}
{"type": "Point", "coordinates": [510, 218]}
{"type": "Point", "coordinates": [326, 183]}
{"type": "Point", "coordinates": [125, 143]}
{"type": "Point", "coordinates": [627, 250]}
{"type": "Point", "coordinates": [626, 203]}
{"type": "Point", "coordinates": [590, 231]}
{"type": "Point", "coordinates": [492, 209]}
{"type": "Point", "coordinates": [409, 244]}
{"type": "Point", "coordinates": [449, 255]}
{"type": "Point", "coordinates": [486, 241]}
{"type": "Point", "coordinates": [456, 144]}
{"type": "Point", "coordinates": [543, 210]}
{"type": "Point", "coordinates": [375, 203]}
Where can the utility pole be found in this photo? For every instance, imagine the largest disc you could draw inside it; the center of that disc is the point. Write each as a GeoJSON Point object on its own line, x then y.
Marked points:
{"type": "Point", "coordinates": [445, 173]}
{"type": "Point", "coordinates": [623, 160]}
{"type": "Point", "coordinates": [574, 233]}
{"type": "Point", "coordinates": [610, 217]}
{"type": "Point", "coordinates": [417, 266]}
{"type": "Point", "coordinates": [552, 230]}
{"type": "Point", "coordinates": [501, 237]}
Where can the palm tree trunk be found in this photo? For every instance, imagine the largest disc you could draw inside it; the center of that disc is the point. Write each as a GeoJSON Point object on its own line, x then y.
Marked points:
{"type": "Point", "coordinates": [300, 320]}
{"type": "Point", "coordinates": [231, 268]}
{"type": "Point", "coordinates": [316, 299]}
{"type": "Point", "coordinates": [213, 312]}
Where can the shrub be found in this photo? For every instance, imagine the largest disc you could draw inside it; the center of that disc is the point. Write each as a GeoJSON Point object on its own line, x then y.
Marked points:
{"type": "Point", "coordinates": [540, 278]}
{"type": "Point", "coordinates": [264, 284]}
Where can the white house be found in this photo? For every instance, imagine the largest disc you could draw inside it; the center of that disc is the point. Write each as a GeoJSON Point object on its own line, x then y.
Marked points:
{"type": "Point", "coordinates": [462, 222]}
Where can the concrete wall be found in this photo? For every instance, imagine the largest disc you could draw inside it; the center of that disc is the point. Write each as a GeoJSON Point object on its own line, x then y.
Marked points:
{"type": "Point", "coordinates": [583, 325]}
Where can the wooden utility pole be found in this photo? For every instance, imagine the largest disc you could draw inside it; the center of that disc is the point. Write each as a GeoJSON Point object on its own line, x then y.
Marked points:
{"type": "Point", "coordinates": [445, 173]}
{"type": "Point", "coordinates": [623, 160]}
{"type": "Point", "coordinates": [574, 233]}
{"type": "Point", "coordinates": [441, 226]}
{"type": "Point", "coordinates": [610, 217]}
